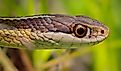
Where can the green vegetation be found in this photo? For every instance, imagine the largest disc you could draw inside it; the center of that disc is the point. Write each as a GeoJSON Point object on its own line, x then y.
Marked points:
{"type": "Point", "coordinates": [105, 56]}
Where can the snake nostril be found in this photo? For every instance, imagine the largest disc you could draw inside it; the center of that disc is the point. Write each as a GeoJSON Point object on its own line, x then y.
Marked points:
{"type": "Point", "coordinates": [102, 31]}
{"type": "Point", "coordinates": [90, 36]}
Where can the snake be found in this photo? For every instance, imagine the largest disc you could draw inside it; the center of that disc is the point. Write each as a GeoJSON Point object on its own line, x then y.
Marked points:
{"type": "Point", "coordinates": [51, 31]}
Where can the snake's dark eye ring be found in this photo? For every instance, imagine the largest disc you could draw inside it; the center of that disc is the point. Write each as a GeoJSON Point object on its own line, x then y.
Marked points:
{"type": "Point", "coordinates": [80, 30]}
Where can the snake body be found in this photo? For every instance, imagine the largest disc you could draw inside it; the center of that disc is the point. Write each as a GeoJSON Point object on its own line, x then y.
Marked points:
{"type": "Point", "coordinates": [51, 31]}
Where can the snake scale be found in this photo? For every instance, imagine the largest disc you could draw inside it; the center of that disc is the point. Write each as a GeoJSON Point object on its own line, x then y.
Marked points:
{"type": "Point", "coordinates": [50, 31]}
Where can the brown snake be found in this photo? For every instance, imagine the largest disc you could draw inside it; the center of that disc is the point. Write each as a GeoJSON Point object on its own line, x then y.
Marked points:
{"type": "Point", "coordinates": [51, 31]}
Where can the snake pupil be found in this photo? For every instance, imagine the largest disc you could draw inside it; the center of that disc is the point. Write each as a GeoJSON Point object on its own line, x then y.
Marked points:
{"type": "Point", "coordinates": [80, 31]}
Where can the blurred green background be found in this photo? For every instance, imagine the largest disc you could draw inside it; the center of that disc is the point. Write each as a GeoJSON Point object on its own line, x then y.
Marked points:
{"type": "Point", "coordinates": [105, 56]}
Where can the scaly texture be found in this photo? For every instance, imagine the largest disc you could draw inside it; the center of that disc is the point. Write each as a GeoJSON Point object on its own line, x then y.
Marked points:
{"type": "Point", "coordinates": [50, 31]}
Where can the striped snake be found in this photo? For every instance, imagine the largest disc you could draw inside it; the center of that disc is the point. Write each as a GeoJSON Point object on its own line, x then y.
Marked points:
{"type": "Point", "coordinates": [50, 31]}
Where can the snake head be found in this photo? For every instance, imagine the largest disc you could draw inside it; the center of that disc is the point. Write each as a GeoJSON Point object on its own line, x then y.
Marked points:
{"type": "Point", "coordinates": [77, 31]}
{"type": "Point", "coordinates": [88, 30]}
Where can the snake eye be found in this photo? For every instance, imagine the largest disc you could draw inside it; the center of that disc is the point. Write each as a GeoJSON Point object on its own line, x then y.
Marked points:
{"type": "Point", "coordinates": [80, 30]}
